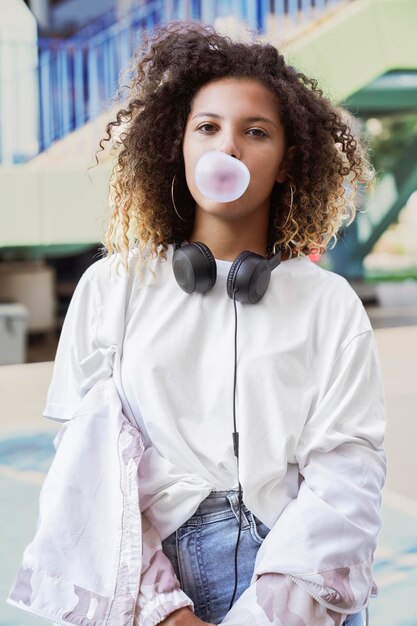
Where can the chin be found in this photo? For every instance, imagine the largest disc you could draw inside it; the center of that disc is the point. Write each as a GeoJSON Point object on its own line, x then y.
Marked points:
{"type": "Point", "coordinates": [224, 210]}
{"type": "Point", "coordinates": [214, 206]}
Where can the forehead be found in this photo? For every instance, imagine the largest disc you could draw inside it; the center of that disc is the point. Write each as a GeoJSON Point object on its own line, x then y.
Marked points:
{"type": "Point", "coordinates": [239, 94]}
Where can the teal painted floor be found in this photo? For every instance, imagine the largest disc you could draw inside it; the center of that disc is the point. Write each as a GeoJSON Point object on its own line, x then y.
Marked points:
{"type": "Point", "coordinates": [25, 460]}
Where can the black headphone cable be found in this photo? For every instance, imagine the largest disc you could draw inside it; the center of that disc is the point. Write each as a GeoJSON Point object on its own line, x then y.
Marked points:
{"type": "Point", "coordinates": [235, 436]}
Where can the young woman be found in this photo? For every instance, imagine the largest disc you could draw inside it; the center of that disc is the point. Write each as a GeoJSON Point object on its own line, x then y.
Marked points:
{"type": "Point", "coordinates": [301, 377]}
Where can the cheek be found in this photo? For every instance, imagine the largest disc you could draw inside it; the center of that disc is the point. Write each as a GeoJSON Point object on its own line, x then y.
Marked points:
{"type": "Point", "coordinates": [263, 175]}
{"type": "Point", "coordinates": [189, 165]}
{"type": "Point", "coordinates": [189, 173]}
{"type": "Point", "coordinates": [189, 158]}
{"type": "Point", "coordinates": [266, 160]}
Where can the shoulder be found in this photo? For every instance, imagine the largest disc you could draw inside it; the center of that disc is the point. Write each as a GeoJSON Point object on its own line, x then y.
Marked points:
{"type": "Point", "coordinates": [110, 267]}
{"type": "Point", "coordinates": [324, 302]}
{"type": "Point", "coordinates": [112, 279]}
{"type": "Point", "coordinates": [330, 282]}
{"type": "Point", "coordinates": [318, 279]}
{"type": "Point", "coordinates": [342, 299]}
{"type": "Point", "coordinates": [110, 274]}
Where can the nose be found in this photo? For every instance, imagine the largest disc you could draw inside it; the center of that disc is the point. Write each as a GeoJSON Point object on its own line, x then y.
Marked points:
{"type": "Point", "coordinates": [228, 145]}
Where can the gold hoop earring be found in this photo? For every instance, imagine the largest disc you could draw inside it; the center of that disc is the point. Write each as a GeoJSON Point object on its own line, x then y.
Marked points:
{"type": "Point", "coordinates": [173, 201]}
{"type": "Point", "coordinates": [292, 190]}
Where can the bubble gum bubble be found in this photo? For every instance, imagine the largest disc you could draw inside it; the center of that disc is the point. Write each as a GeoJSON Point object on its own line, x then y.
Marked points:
{"type": "Point", "coordinates": [221, 177]}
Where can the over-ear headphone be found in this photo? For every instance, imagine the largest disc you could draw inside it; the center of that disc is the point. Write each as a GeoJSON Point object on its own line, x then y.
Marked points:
{"type": "Point", "coordinates": [195, 270]}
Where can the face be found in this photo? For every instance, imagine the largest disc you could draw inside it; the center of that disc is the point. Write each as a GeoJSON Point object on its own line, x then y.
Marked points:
{"type": "Point", "coordinates": [239, 117]}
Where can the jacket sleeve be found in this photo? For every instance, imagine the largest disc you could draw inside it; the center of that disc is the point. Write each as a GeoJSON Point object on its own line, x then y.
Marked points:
{"type": "Point", "coordinates": [85, 355]}
{"type": "Point", "coordinates": [159, 593]}
{"type": "Point", "coordinates": [275, 600]}
{"type": "Point", "coordinates": [317, 558]}
{"type": "Point", "coordinates": [81, 358]}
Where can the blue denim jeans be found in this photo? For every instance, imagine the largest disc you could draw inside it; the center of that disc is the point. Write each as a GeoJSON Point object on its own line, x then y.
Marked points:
{"type": "Point", "coordinates": [202, 554]}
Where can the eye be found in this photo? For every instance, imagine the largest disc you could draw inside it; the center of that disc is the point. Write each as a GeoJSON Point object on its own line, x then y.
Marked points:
{"type": "Point", "coordinates": [258, 130]}
{"type": "Point", "coordinates": [202, 126]}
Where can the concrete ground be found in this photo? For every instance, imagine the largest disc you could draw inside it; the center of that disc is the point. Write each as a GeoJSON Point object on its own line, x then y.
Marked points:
{"type": "Point", "coordinates": [397, 348]}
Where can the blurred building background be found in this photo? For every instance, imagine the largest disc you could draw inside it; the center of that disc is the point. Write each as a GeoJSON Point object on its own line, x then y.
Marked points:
{"type": "Point", "coordinates": [60, 63]}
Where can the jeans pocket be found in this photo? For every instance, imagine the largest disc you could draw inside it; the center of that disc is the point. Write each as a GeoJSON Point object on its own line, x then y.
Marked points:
{"type": "Point", "coordinates": [258, 529]}
{"type": "Point", "coordinates": [169, 548]}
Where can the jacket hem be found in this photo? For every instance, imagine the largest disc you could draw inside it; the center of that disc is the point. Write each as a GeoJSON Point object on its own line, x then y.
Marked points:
{"type": "Point", "coordinates": [310, 587]}
{"type": "Point", "coordinates": [40, 614]}
{"type": "Point", "coordinates": [170, 602]}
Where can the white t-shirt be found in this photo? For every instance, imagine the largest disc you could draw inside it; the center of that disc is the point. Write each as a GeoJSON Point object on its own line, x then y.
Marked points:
{"type": "Point", "coordinates": [309, 333]}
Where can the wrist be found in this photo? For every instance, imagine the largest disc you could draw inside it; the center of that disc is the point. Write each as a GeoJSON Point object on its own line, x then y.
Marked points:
{"type": "Point", "coordinates": [176, 616]}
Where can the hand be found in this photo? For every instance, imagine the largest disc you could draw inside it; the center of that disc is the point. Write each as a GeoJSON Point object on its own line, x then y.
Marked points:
{"type": "Point", "coordinates": [183, 617]}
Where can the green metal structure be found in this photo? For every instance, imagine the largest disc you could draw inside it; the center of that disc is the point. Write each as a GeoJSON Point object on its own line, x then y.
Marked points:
{"type": "Point", "coordinates": [365, 59]}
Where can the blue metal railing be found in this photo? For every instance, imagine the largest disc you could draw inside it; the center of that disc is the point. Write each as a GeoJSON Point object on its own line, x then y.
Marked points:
{"type": "Point", "coordinates": [78, 76]}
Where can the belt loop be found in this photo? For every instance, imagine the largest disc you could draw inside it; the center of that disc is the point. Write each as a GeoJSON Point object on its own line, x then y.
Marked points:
{"type": "Point", "coordinates": [233, 498]}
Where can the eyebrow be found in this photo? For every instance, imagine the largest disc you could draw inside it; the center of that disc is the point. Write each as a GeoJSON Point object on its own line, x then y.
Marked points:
{"type": "Point", "coordinates": [247, 119]}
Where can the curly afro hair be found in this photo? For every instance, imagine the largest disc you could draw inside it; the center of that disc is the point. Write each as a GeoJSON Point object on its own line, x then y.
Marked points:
{"type": "Point", "coordinates": [174, 61]}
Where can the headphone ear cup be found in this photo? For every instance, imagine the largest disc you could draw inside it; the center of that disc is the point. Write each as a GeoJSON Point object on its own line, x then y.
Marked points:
{"type": "Point", "coordinates": [194, 267]}
{"type": "Point", "coordinates": [233, 272]}
{"type": "Point", "coordinates": [248, 277]}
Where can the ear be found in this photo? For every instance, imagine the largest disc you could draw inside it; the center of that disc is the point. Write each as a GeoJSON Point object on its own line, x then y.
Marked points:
{"type": "Point", "coordinates": [286, 164]}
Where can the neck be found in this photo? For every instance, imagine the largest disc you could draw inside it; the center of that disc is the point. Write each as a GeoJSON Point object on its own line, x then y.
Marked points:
{"type": "Point", "coordinates": [228, 239]}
